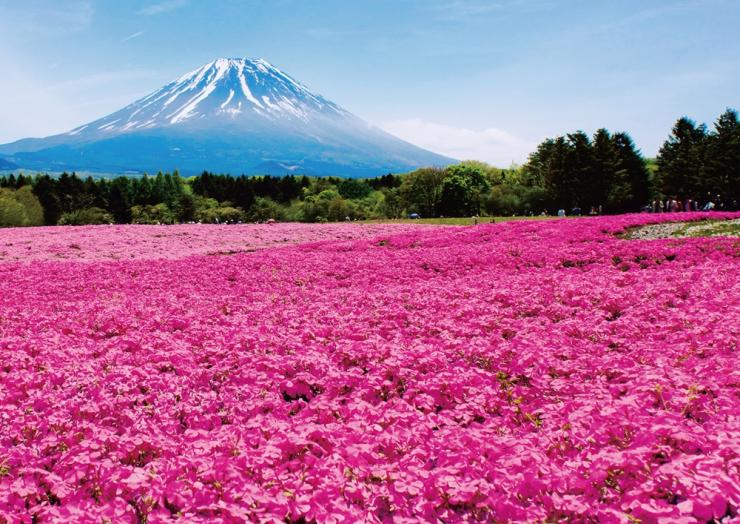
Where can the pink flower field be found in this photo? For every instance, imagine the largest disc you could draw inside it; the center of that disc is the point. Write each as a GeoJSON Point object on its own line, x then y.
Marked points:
{"type": "Point", "coordinates": [97, 243]}
{"type": "Point", "coordinates": [517, 372]}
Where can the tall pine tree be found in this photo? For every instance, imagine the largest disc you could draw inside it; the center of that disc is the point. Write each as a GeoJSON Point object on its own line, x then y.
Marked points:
{"type": "Point", "coordinates": [680, 160]}
{"type": "Point", "coordinates": [721, 173]}
{"type": "Point", "coordinates": [632, 165]}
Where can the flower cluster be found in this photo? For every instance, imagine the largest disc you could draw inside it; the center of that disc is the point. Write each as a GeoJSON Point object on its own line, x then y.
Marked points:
{"type": "Point", "coordinates": [522, 371]}
{"type": "Point", "coordinates": [116, 242]}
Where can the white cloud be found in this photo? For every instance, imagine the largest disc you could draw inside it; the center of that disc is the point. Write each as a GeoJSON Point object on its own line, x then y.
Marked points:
{"type": "Point", "coordinates": [161, 7]}
{"type": "Point", "coordinates": [132, 36]}
{"type": "Point", "coordinates": [492, 145]}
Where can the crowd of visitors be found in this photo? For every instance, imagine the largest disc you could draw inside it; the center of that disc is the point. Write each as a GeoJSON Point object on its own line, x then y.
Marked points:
{"type": "Point", "coordinates": [708, 203]}
{"type": "Point", "coordinates": [669, 205]}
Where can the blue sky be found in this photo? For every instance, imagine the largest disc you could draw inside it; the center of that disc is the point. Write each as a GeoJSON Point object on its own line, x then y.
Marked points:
{"type": "Point", "coordinates": [468, 78]}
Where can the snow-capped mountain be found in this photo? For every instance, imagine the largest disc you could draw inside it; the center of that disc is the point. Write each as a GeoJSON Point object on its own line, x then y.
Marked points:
{"type": "Point", "coordinates": [237, 91]}
{"type": "Point", "coordinates": [230, 115]}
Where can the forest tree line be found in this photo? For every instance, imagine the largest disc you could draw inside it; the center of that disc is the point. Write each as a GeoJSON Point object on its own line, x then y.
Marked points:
{"type": "Point", "coordinates": [605, 173]}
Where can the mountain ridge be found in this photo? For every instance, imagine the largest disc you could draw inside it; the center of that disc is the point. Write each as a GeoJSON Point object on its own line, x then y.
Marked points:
{"type": "Point", "coordinates": [234, 115]}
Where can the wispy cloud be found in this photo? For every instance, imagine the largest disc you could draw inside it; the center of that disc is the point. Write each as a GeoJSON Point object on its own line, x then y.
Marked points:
{"type": "Point", "coordinates": [321, 33]}
{"type": "Point", "coordinates": [490, 145]}
{"type": "Point", "coordinates": [34, 17]}
{"type": "Point", "coordinates": [161, 7]}
{"type": "Point", "coordinates": [98, 80]}
{"type": "Point", "coordinates": [652, 13]}
{"type": "Point", "coordinates": [469, 7]}
{"type": "Point", "coordinates": [481, 10]}
{"type": "Point", "coordinates": [132, 36]}
{"type": "Point", "coordinates": [46, 105]}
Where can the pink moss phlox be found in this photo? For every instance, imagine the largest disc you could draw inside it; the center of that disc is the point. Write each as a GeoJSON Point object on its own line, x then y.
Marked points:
{"type": "Point", "coordinates": [523, 371]}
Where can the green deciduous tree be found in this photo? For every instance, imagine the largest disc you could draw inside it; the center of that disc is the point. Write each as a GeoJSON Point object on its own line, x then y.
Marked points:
{"type": "Point", "coordinates": [156, 214]}
{"type": "Point", "coordinates": [20, 207]}
{"type": "Point", "coordinates": [421, 191]}
{"type": "Point", "coordinates": [86, 216]}
{"type": "Point", "coordinates": [265, 209]}
{"type": "Point", "coordinates": [464, 188]}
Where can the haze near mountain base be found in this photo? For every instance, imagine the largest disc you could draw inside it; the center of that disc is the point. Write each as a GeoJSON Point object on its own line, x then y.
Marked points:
{"type": "Point", "coordinates": [232, 116]}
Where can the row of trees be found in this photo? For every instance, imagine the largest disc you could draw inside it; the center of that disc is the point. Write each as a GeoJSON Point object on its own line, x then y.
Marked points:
{"type": "Point", "coordinates": [168, 198]}
{"type": "Point", "coordinates": [695, 162]}
{"type": "Point", "coordinates": [164, 198]}
{"type": "Point", "coordinates": [605, 172]}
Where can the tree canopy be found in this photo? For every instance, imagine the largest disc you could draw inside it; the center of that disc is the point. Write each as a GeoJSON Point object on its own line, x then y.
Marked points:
{"type": "Point", "coordinates": [605, 173]}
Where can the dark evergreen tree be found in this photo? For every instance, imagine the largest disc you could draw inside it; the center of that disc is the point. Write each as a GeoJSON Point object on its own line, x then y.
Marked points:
{"type": "Point", "coordinates": [681, 159]}
{"type": "Point", "coordinates": [186, 208]}
{"type": "Point", "coordinates": [159, 190]}
{"type": "Point", "coordinates": [120, 201]}
{"type": "Point", "coordinates": [243, 194]}
{"type": "Point", "coordinates": [290, 188]}
{"type": "Point", "coordinates": [11, 182]}
{"type": "Point", "coordinates": [353, 189]}
{"type": "Point", "coordinates": [94, 193]}
{"type": "Point", "coordinates": [46, 191]}
{"type": "Point", "coordinates": [558, 180]}
{"type": "Point", "coordinates": [389, 181]}
{"type": "Point", "coordinates": [141, 191]}
{"type": "Point", "coordinates": [721, 170]}
{"type": "Point", "coordinates": [611, 191]}
{"type": "Point", "coordinates": [580, 181]}
{"type": "Point", "coordinates": [534, 171]}
{"type": "Point", "coordinates": [635, 174]}
{"type": "Point", "coordinates": [71, 193]}
{"type": "Point", "coordinates": [22, 180]}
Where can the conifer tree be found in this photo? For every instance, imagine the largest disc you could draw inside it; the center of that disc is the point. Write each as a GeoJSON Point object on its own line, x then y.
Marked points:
{"type": "Point", "coordinates": [632, 165]}
{"type": "Point", "coordinates": [681, 158]}
{"type": "Point", "coordinates": [45, 189]}
{"type": "Point", "coordinates": [721, 173]}
{"type": "Point", "coordinates": [606, 165]}
{"type": "Point", "coordinates": [580, 182]}
{"type": "Point", "coordinates": [120, 200]}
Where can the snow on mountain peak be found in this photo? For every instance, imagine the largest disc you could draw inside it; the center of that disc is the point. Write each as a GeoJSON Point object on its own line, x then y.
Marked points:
{"type": "Point", "coordinates": [237, 89]}
{"type": "Point", "coordinates": [234, 115]}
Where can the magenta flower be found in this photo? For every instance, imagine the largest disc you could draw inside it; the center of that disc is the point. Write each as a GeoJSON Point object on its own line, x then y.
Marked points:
{"type": "Point", "coordinates": [525, 371]}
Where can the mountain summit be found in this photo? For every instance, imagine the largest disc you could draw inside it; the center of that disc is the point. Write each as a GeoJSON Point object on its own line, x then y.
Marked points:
{"type": "Point", "coordinates": [234, 91]}
{"type": "Point", "coordinates": [231, 115]}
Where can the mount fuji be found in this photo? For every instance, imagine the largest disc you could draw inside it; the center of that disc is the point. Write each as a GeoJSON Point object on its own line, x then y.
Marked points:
{"type": "Point", "coordinates": [229, 116]}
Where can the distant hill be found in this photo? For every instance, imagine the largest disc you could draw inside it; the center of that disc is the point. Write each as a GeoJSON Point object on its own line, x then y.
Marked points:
{"type": "Point", "coordinates": [7, 165]}
{"type": "Point", "coordinates": [230, 115]}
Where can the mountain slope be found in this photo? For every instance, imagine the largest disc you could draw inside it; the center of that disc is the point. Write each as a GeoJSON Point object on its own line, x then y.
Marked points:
{"type": "Point", "coordinates": [6, 164]}
{"type": "Point", "coordinates": [230, 115]}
